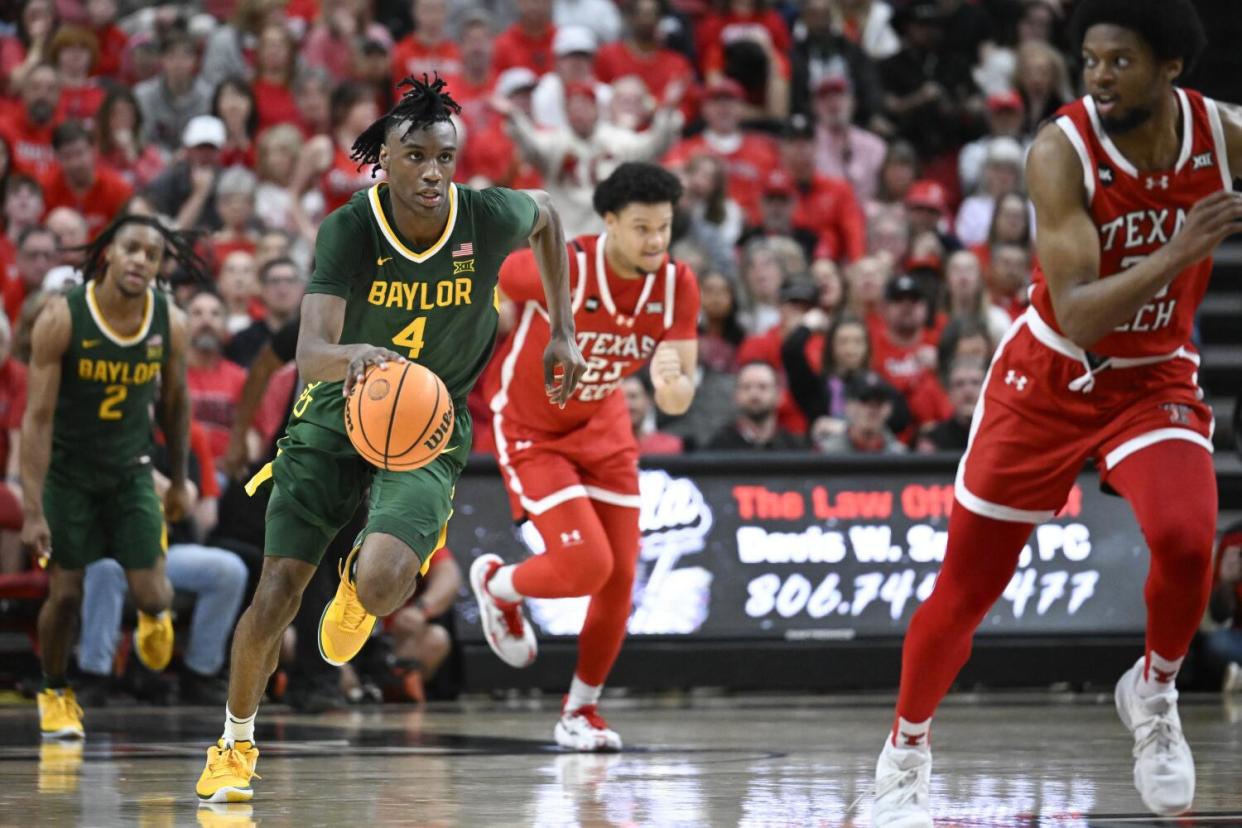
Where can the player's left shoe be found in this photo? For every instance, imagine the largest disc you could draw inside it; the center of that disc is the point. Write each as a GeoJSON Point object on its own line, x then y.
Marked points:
{"type": "Point", "coordinates": [585, 731]}
{"type": "Point", "coordinates": [60, 717]}
{"type": "Point", "coordinates": [345, 624]}
{"type": "Point", "coordinates": [1164, 769]}
{"type": "Point", "coordinates": [506, 629]}
{"type": "Point", "coordinates": [902, 787]}
{"type": "Point", "coordinates": [153, 640]}
{"type": "Point", "coordinates": [227, 774]}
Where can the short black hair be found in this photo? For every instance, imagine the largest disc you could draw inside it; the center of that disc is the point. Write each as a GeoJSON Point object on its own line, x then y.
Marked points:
{"type": "Point", "coordinates": [424, 103]}
{"type": "Point", "coordinates": [68, 132]}
{"type": "Point", "coordinates": [1170, 27]}
{"type": "Point", "coordinates": [279, 261]}
{"type": "Point", "coordinates": [636, 181]}
{"type": "Point", "coordinates": [177, 35]}
{"type": "Point", "coordinates": [238, 84]}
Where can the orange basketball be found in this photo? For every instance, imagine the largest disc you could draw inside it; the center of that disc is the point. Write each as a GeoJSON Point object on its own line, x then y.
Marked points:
{"type": "Point", "coordinates": [400, 417]}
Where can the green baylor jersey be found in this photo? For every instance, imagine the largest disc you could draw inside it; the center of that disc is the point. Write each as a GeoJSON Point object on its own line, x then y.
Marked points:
{"type": "Point", "coordinates": [438, 307]}
{"type": "Point", "coordinates": [108, 383]}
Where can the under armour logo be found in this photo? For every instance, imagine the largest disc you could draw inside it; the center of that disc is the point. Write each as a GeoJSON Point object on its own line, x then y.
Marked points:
{"type": "Point", "coordinates": [1017, 380]}
{"type": "Point", "coordinates": [1202, 161]}
{"type": "Point", "coordinates": [522, 445]}
{"type": "Point", "coordinates": [592, 304]}
{"type": "Point", "coordinates": [1178, 413]}
{"type": "Point", "coordinates": [571, 538]}
{"type": "Point", "coordinates": [1162, 182]}
{"type": "Point", "coordinates": [913, 739]}
{"type": "Point", "coordinates": [1106, 174]}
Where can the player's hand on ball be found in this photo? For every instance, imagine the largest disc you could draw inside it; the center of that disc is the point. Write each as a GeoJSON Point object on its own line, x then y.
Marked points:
{"type": "Point", "coordinates": [1209, 222]}
{"type": "Point", "coordinates": [37, 535]}
{"type": "Point", "coordinates": [665, 364]}
{"type": "Point", "coordinates": [368, 356]}
{"type": "Point", "coordinates": [563, 366]}
{"type": "Point", "coordinates": [178, 501]}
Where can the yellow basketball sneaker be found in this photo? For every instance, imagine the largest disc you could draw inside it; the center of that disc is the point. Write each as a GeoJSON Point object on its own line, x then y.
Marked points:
{"type": "Point", "coordinates": [345, 624]}
{"type": "Point", "coordinates": [228, 773]}
{"type": "Point", "coordinates": [153, 640]}
{"type": "Point", "coordinates": [59, 715]}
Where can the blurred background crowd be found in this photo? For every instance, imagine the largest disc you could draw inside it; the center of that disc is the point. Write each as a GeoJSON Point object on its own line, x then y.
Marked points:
{"type": "Point", "coordinates": [854, 208]}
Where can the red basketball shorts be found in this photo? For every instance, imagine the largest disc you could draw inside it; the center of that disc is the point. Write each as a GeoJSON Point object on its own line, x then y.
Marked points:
{"type": "Point", "coordinates": [1042, 413]}
{"type": "Point", "coordinates": [598, 461]}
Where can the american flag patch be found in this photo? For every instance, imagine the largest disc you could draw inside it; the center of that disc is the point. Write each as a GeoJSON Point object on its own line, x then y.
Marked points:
{"type": "Point", "coordinates": [463, 249]}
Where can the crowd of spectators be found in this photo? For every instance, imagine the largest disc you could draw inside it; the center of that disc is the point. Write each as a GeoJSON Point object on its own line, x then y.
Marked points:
{"type": "Point", "coordinates": [854, 200]}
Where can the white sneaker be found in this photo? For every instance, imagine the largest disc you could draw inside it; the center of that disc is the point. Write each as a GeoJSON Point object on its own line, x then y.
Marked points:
{"type": "Point", "coordinates": [507, 632]}
{"type": "Point", "coordinates": [1164, 770]}
{"type": "Point", "coordinates": [902, 788]}
{"type": "Point", "coordinates": [585, 731]}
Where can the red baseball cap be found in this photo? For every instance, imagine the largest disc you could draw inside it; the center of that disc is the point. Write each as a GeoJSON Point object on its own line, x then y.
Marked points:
{"type": "Point", "coordinates": [779, 183]}
{"type": "Point", "coordinates": [832, 85]}
{"type": "Point", "coordinates": [725, 88]}
{"type": "Point", "coordinates": [929, 194]}
{"type": "Point", "coordinates": [1001, 101]}
{"type": "Point", "coordinates": [586, 90]}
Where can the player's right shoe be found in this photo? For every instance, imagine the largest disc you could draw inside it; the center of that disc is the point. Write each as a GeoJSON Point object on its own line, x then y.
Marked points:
{"type": "Point", "coordinates": [902, 788]}
{"type": "Point", "coordinates": [226, 778]}
{"type": "Point", "coordinates": [1164, 769]}
{"type": "Point", "coordinates": [507, 631]}
{"type": "Point", "coordinates": [585, 731]}
{"type": "Point", "coordinates": [345, 624]}
{"type": "Point", "coordinates": [59, 715]}
{"type": "Point", "coordinates": [153, 640]}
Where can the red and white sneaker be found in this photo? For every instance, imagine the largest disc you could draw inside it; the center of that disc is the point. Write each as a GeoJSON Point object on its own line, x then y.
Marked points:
{"type": "Point", "coordinates": [507, 632]}
{"type": "Point", "coordinates": [585, 731]}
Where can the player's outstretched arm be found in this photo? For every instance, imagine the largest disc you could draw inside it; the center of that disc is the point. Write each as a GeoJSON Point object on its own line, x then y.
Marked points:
{"type": "Point", "coordinates": [672, 375]}
{"type": "Point", "coordinates": [1088, 308]}
{"type": "Point", "coordinates": [53, 329]}
{"type": "Point", "coordinates": [321, 357]}
{"type": "Point", "coordinates": [547, 241]}
{"type": "Point", "coordinates": [174, 414]}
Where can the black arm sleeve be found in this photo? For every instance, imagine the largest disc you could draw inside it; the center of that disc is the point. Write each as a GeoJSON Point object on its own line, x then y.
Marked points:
{"type": "Point", "coordinates": [807, 387]}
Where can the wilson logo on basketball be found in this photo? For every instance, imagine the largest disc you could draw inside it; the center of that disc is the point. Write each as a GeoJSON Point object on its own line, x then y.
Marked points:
{"type": "Point", "coordinates": [378, 389]}
{"type": "Point", "coordinates": [446, 424]}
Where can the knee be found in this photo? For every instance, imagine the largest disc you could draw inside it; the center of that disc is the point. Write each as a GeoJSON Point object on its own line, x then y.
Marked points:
{"type": "Point", "coordinates": [437, 644]}
{"type": "Point", "coordinates": [383, 596]}
{"type": "Point", "coordinates": [105, 573]}
{"type": "Point", "coordinates": [1182, 547]}
{"type": "Point", "coordinates": [232, 572]}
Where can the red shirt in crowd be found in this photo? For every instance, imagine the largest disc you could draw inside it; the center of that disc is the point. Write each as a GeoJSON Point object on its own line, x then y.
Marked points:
{"type": "Point", "coordinates": [514, 47]}
{"type": "Point", "coordinates": [827, 207]}
{"type": "Point", "coordinates": [98, 205]}
{"type": "Point", "coordinates": [412, 56]}
{"type": "Point", "coordinates": [657, 69]}
{"type": "Point", "coordinates": [112, 42]}
{"type": "Point", "coordinates": [276, 105]}
{"type": "Point", "coordinates": [766, 347]}
{"type": "Point", "coordinates": [719, 30]}
{"type": "Point", "coordinates": [80, 103]}
{"type": "Point", "coordinates": [12, 404]}
{"type": "Point", "coordinates": [910, 369]}
{"type": "Point", "coordinates": [343, 179]}
{"type": "Point", "coordinates": [494, 156]}
{"type": "Point", "coordinates": [30, 144]}
{"type": "Point", "coordinates": [748, 165]}
{"type": "Point", "coordinates": [273, 409]}
{"type": "Point", "coordinates": [214, 394]}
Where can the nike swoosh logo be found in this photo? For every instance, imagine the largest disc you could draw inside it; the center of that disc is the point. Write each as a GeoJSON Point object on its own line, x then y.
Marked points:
{"type": "Point", "coordinates": [380, 262]}
{"type": "Point", "coordinates": [90, 343]}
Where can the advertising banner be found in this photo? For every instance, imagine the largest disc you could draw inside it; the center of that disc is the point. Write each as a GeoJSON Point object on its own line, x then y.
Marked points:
{"type": "Point", "coordinates": [799, 556]}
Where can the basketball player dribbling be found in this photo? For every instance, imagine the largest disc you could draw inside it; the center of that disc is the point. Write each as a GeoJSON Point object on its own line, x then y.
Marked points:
{"type": "Point", "coordinates": [409, 264]}
{"type": "Point", "coordinates": [1132, 192]}
{"type": "Point", "coordinates": [573, 472]}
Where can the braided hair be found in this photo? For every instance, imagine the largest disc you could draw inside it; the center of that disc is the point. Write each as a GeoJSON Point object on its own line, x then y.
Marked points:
{"type": "Point", "coordinates": [423, 104]}
{"type": "Point", "coordinates": [178, 245]}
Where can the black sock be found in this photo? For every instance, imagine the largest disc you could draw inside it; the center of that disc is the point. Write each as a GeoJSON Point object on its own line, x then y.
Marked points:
{"type": "Point", "coordinates": [55, 682]}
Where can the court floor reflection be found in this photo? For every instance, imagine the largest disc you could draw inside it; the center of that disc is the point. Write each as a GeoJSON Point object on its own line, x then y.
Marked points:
{"type": "Point", "coordinates": [745, 761]}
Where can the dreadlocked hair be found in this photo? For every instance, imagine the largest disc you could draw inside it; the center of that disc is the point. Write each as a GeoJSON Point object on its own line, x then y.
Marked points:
{"type": "Point", "coordinates": [178, 245]}
{"type": "Point", "coordinates": [423, 104]}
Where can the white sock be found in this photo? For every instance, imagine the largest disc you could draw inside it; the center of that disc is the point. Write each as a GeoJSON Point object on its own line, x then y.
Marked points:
{"type": "Point", "coordinates": [500, 585]}
{"type": "Point", "coordinates": [1159, 676]}
{"type": "Point", "coordinates": [236, 729]}
{"type": "Point", "coordinates": [912, 735]}
{"type": "Point", "coordinates": [581, 694]}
